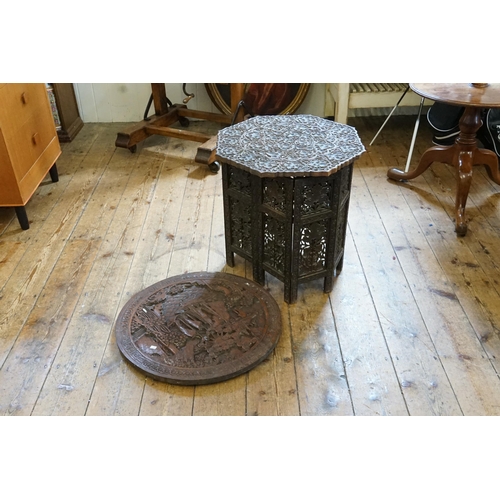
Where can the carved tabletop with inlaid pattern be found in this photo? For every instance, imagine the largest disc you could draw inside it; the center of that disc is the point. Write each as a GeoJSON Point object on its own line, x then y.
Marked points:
{"type": "Point", "coordinates": [289, 145]}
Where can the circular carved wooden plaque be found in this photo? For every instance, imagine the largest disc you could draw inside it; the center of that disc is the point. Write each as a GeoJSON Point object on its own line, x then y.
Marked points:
{"type": "Point", "coordinates": [198, 328]}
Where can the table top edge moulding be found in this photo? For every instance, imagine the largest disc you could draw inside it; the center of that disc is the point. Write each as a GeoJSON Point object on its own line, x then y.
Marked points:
{"type": "Point", "coordinates": [460, 93]}
{"type": "Point", "coordinates": [289, 146]}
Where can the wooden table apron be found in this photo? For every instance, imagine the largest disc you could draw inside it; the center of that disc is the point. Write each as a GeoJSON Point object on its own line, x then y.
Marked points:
{"type": "Point", "coordinates": [464, 154]}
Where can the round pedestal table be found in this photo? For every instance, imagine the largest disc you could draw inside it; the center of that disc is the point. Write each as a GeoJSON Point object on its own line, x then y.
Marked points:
{"type": "Point", "coordinates": [464, 154]}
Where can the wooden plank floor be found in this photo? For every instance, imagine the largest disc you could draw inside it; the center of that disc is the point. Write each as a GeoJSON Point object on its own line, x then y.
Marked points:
{"type": "Point", "coordinates": [412, 326]}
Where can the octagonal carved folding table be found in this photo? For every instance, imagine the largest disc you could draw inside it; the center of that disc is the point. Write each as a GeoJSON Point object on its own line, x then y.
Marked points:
{"type": "Point", "coordinates": [286, 188]}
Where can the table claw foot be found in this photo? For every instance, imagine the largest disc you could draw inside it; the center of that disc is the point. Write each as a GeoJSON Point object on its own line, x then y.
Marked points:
{"type": "Point", "coordinates": [460, 221]}
{"type": "Point", "coordinates": [397, 175]}
{"type": "Point", "coordinates": [461, 229]}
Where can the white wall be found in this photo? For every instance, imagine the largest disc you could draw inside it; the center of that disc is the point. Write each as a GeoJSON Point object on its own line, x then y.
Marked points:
{"type": "Point", "coordinates": [126, 102]}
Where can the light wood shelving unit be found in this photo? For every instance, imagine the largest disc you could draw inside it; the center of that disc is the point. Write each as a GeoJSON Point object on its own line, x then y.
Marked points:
{"type": "Point", "coordinates": [29, 146]}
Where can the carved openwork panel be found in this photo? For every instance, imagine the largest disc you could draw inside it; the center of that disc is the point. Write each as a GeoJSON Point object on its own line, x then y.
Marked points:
{"type": "Point", "coordinates": [274, 193]}
{"type": "Point", "coordinates": [198, 328]}
{"type": "Point", "coordinates": [312, 247]}
{"type": "Point", "coordinates": [315, 197]}
{"type": "Point", "coordinates": [240, 220]}
{"type": "Point", "coordinates": [274, 243]}
{"type": "Point", "coordinates": [239, 180]}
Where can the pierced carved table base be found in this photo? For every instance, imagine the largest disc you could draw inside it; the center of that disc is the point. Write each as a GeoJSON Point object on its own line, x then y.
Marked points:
{"type": "Point", "coordinates": [198, 328]}
{"type": "Point", "coordinates": [286, 187]}
{"type": "Point", "coordinates": [293, 228]}
{"type": "Point", "coordinates": [463, 155]}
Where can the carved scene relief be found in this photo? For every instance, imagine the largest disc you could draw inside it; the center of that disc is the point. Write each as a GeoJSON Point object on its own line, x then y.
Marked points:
{"type": "Point", "coordinates": [199, 325]}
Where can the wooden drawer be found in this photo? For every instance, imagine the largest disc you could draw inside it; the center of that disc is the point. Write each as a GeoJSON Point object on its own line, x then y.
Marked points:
{"type": "Point", "coordinates": [9, 190]}
{"type": "Point", "coordinates": [39, 170]}
{"type": "Point", "coordinates": [29, 146]}
{"type": "Point", "coordinates": [19, 102]}
{"type": "Point", "coordinates": [32, 140]}
{"type": "Point", "coordinates": [26, 123]}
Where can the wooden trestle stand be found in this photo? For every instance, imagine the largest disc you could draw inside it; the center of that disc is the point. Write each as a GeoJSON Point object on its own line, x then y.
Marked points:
{"type": "Point", "coordinates": [167, 114]}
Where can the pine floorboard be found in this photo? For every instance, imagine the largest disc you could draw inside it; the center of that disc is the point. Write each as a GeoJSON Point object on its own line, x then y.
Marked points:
{"type": "Point", "coordinates": [412, 326]}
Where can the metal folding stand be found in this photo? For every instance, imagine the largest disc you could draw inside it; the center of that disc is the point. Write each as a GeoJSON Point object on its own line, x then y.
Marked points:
{"type": "Point", "coordinates": [415, 130]}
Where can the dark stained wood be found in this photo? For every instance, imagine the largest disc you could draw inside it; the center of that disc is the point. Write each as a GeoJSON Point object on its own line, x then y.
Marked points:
{"type": "Point", "coordinates": [198, 328]}
{"type": "Point", "coordinates": [464, 154]}
{"type": "Point", "coordinates": [67, 107]}
{"type": "Point", "coordinates": [286, 185]}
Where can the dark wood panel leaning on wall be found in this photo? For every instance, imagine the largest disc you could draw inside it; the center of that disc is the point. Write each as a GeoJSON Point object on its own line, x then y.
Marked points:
{"type": "Point", "coordinates": [71, 122]}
